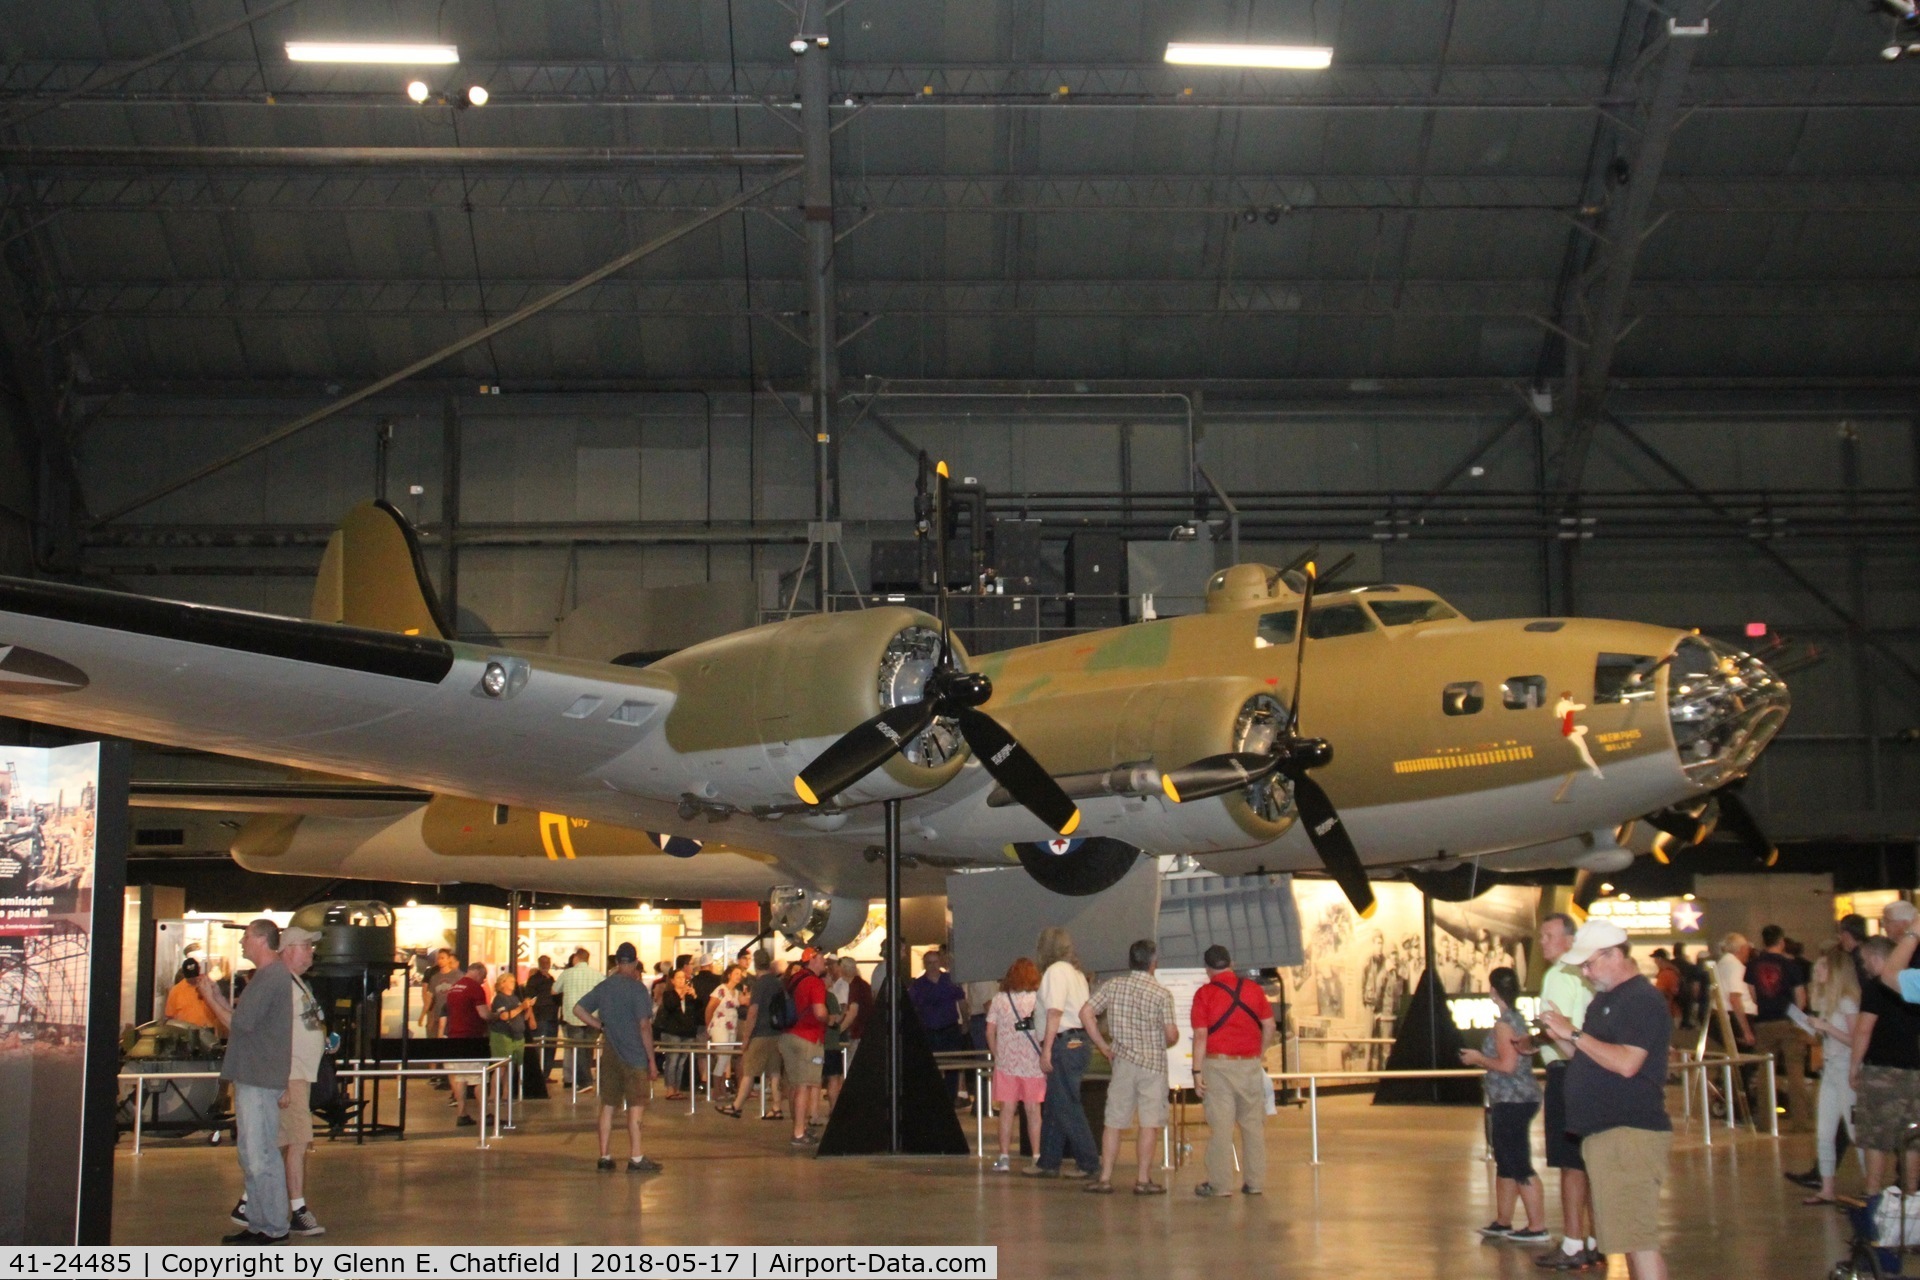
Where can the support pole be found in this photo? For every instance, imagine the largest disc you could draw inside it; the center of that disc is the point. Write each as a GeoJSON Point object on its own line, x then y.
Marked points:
{"type": "Point", "coordinates": [894, 986]}
{"type": "Point", "coordinates": [1437, 992]}
{"type": "Point", "coordinates": [814, 73]}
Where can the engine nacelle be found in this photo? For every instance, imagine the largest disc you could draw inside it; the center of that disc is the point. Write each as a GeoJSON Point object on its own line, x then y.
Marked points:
{"type": "Point", "coordinates": [754, 708]}
{"type": "Point", "coordinates": [820, 920]}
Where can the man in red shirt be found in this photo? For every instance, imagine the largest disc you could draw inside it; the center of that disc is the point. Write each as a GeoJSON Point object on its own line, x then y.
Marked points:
{"type": "Point", "coordinates": [803, 1048]}
{"type": "Point", "coordinates": [1232, 1027]}
{"type": "Point", "coordinates": [466, 1000]}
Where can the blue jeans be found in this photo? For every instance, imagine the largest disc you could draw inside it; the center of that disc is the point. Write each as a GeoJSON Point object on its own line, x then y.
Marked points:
{"type": "Point", "coordinates": [256, 1115]}
{"type": "Point", "coordinates": [578, 1067]}
{"type": "Point", "coordinates": [1064, 1129]}
{"type": "Point", "coordinates": [547, 1029]}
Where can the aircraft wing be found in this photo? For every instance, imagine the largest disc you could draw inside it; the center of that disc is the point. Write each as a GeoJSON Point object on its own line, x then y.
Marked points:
{"type": "Point", "coordinates": [408, 710]}
{"type": "Point", "coordinates": [307, 798]}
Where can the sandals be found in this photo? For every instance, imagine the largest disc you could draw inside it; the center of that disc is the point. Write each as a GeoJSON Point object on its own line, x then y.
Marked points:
{"type": "Point", "coordinates": [774, 1115]}
{"type": "Point", "coordinates": [1149, 1189]}
{"type": "Point", "coordinates": [676, 1096]}
{"type": "Point", "coordinates": [1098, 1187]}
{"type": "Point", "coordinates": [730, 1112]}
{"type": "Point", "coordinates": [1818, 1199]}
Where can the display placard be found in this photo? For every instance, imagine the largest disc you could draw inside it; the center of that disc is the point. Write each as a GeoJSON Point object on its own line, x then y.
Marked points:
{"type": "Point", "coordinates": [61, 810]}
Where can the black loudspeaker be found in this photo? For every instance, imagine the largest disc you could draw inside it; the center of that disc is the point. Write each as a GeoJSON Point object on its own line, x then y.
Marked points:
{"type": "Point", "coordinates": [894, 564]}
{"type": "Point", "coordinates": [1016, 555]}
{"type": "Point", "coordinates": [1096, 567]}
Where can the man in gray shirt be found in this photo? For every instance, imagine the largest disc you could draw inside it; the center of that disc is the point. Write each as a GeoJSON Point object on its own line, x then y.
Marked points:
{"type": "Point", "coordinates": [622, 1011]}
{"type": "Point", "coordinates": [258, 1064]}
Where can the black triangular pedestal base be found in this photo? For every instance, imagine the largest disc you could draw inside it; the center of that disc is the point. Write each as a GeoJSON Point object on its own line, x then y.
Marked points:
{"type": "Point", "coordinates": [928, 1124]}
{"type": "Point", "coordinates": [1426, 1042]}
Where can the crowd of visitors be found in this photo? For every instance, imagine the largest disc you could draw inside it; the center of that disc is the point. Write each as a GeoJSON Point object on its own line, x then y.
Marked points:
{"type": "Point", "coordinates": [1602, 1034]}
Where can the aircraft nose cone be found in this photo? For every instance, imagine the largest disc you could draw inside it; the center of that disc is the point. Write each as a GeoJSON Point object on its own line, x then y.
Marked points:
{"type": "Point", "coordinates": [1725, 706]}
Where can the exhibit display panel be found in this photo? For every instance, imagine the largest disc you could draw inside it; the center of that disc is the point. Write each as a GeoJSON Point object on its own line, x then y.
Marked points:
{"type": "Point", "coordinates": [59, 988]}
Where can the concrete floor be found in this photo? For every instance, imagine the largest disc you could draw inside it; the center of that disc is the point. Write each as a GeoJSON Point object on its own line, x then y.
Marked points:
{"type": "Point", "coordinates": [1400, 1192]}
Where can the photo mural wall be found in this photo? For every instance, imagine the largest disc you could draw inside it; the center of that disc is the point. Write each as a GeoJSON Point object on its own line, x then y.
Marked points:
{"type": "Point", "coordinates": [1358, 973]}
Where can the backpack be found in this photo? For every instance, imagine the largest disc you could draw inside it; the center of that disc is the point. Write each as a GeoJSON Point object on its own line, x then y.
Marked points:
{"type": "Point", "coordinates": [783, 1012]}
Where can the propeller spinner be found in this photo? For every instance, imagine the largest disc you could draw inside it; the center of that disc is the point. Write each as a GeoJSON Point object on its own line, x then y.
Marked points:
{"type": "Point", "coordinates": [950, 694]}
{"type": "Point", "coordinates": [1292, 756]}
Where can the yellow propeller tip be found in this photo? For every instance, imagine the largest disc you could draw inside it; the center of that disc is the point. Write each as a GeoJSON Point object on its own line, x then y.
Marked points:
{"type": "Point", "coordinates": [1172, 792]}
{"type": "Point", "coordinates": [1773, 857]}
{"type": "Point", "coordinates": [1366, 913]}
{"type": "Point", "coordinates": [1660, 856]}
{"type": "Point", "coordinates": [1072, 824]}
{"type": "Point", "coordinates": [940, 469]}
{"type": "Point", "coordinates": [1313, 570]}
{"type": "Point", "coordinates": [804, 791]}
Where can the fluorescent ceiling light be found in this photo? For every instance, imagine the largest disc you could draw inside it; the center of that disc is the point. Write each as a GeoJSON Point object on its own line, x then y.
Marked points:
{"type": "Point", "coordinates": [1290, 57]}
{"type": "Point", "coordinates": [400, 54]}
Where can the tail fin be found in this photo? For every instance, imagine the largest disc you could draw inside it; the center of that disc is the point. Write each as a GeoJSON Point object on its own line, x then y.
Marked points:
{"type": "Point", "coordinates": [374, 576]}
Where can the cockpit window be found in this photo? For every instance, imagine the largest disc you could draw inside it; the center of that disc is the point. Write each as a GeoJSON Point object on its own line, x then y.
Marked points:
{"type": "Point", "coordinates": [1623, 677]}
{"type": "Point", "coordinates": [1400, 613]}
{"type": "Point", "coordinates": [1337, 620]}
{"type": "Point", "coordinates": [1276, 628]}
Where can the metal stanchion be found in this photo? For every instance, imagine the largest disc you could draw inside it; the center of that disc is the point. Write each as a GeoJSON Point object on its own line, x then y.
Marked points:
{"type": "Point", "coordinates": [1773, 1100]}
{"type": "Point", "coordinates": [1313, 1113]}
{"type": "Point", "coordinates": [139, 1106]}
{"type": "Point", "coordinates": [1726, 1085]}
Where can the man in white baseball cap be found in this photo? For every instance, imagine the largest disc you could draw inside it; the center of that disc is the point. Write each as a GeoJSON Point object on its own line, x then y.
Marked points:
{"type": "Point", "coordinates": [1616, 1094]}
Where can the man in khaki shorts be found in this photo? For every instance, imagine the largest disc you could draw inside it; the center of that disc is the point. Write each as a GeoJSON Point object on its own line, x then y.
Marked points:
{"type": "Point", "coordinates": [1616, 1095]}
{"type": "Point", "coordinates": [621, 1010]}
{"type": "Point", "coordinates": [1140, 1030]}
{"type": "Point", "coordinates": [760, 1059]}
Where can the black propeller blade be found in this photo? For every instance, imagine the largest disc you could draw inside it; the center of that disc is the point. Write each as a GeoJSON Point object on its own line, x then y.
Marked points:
{"type": "Point", "coordinates": [1738, 819]}
{"type": "Point", "coordinates": [950, 694]}
{"type": "Point", "coordinates": [1332, 843]}
{"type": "Point", "coordinates": [1014, 768]}
{"type": "Point", "coordinates": [863, 749]}
{"type": "Point", "coordinates": [1292, 756]}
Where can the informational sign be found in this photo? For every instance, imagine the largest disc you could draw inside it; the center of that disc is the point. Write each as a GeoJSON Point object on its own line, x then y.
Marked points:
{"type": "Point", "coordinates": [60, 915]}
{"type": "Point", "coordinates": [1185, 984]}
{"type": "Point", "coordinates": [1649, 917]}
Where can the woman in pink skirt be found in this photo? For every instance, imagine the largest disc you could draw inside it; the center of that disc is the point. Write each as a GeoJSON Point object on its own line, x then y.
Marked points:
{"type": "Point", "coordinates": [1014, 1040]}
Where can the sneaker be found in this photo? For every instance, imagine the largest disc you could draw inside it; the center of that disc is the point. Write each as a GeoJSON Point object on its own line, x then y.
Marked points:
{"type": "Point", "coordinates": [606, 1164]}
{"type": "Point", "coordinates": [1251, 1191]}
{"type": "Point", "coordinates": [239, 1215]}
{"type": "Point", "coordinates": [1003, 1165]}
{"type": "Point", "coordinates": [1207, 1190]}
{"type": "Point", "coordinates": [1808, 1178]}
{"type": "Point", "coordinates": [466, 1122]}
{"type": "Point", "coordinates": [1497, 1230]}
{"type": "Point", "coordinates": [802, 1143]}
{"type": "Point", "coordinates": [1528, 1235]}
{"type": "Point", "coordinates": [643, 1164]}
{"type": "Point", "coordinates": [1075, 1171]}
{"type": "Point", "coordinates": [1558, 1259]}
{"type": "Point", "coordinates": [1035, 1171]}
{"type": "Point", "coordinates": [303, 1223]}
{"type": "Point", "coordinates": [251, 1238]}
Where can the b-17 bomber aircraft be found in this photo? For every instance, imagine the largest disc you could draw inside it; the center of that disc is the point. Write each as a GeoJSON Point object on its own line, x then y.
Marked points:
{"type": "Point", "coordinates": [1360, 731]}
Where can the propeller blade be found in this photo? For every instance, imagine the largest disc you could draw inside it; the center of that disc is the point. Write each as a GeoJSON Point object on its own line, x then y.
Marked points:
{"type": "Point", "coordinates": [1586, 887]}
{"type": "Point", "coordinates": [1332, 843]}
{"type": "Point", "coordinates": [1684, 827]}
{"type": "Point", "coordinates": [1300, 650]}
{"type": "Point", "coordinates": [1216, 776]}
{"type": "Point", "coordinates": [863, 749]}
{"type": "Point", "coordinates": [1738, 819]}
{"type": "Point", "coordinates": [1014, 768]}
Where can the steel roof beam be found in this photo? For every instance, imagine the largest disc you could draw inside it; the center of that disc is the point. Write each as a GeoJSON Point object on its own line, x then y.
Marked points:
{"type": "Point", "coordinates": [937, 86]}
{"type": "Point", "coordinates": [500, 190]}
{"type": "Point", "coordinates": [1521, 299]}
{"type": "Point", "coordinates": [196, 157]}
